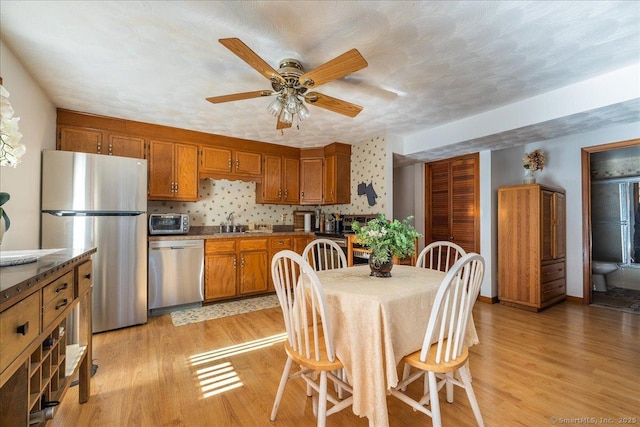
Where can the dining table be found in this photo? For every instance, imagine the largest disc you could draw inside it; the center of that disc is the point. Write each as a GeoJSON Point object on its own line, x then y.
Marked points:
{"type": "Point", "coordinates": [376, 322]}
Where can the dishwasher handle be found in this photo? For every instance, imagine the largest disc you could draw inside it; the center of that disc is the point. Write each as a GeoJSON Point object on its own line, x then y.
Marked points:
{"type": "Point", "coordinates": [175, 244]}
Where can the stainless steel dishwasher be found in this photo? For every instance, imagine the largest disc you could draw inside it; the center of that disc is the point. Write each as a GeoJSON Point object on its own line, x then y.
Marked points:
{"type": "Point", "coordinates": [176, 273]}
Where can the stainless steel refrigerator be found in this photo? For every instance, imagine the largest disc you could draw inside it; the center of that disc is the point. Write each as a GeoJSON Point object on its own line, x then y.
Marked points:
{"type": "Point", "coordinates": [93, 200]}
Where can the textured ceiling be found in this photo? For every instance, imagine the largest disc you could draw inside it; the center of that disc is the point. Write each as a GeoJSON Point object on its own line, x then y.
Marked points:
{"type": "Point", "coordinates": [430, 63]}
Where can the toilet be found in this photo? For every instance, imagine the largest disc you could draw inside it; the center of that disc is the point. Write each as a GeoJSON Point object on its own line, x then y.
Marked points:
{"type": "Point", "coordinates": [599, 269]}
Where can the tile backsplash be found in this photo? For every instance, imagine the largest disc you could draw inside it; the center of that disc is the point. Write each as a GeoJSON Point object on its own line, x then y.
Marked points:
{"type": "Point", "coordinates": [218, 198]}
{"type": "Point", "coordinates": [615, 168]}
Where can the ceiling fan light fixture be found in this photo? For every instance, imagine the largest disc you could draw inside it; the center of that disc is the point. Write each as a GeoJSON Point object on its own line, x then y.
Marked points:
{"type": "Point", "coordinates": [303, 113]}
{"type": "Point", "coordinates": [275, 107]}
{"type": "Point", "coordinates": [286, 117]}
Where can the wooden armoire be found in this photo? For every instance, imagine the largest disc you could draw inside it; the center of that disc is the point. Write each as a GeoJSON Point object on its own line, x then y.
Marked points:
{"type": "Point", "coordinates": [531, 246]}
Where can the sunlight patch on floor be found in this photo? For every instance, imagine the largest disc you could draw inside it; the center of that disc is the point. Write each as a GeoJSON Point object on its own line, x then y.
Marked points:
{"type": "Point", "coordinates": [222, 377]}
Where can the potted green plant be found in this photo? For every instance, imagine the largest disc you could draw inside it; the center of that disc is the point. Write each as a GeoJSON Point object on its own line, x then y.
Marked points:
{"type": "Point", "coordinates": [386, 239]}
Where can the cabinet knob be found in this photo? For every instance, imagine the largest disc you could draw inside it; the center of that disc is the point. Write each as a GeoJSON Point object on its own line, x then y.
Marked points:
{"type": "Point", "coordinates": [87, 276]}
{"type": "Point", "coordinates": [23, 329]}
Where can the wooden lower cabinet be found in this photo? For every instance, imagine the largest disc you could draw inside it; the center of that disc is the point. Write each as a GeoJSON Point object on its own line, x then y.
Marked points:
{"type": "Point", "coordinates": [37, 363]}
{"type": "Point", "coordinates": [252, 256]}
{"type": "Point", "coordinates": [240, 266]}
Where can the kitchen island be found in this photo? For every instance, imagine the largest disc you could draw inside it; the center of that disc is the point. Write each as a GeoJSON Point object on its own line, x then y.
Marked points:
{"type": "Point", "coordinates": [40, 354]}
{"type": "Point", "coordinates": [238, 264]}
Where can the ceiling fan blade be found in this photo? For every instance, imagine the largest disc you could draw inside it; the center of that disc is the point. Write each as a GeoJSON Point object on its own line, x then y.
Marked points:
{"type": "Point", "coordinates": [347, 63]}
{"type": "Point", "coordinates": [245, 53]}
{"type": "Point", "coordinates": [333, 104]}
{"type": "Point", "coordinates": [239, 96]}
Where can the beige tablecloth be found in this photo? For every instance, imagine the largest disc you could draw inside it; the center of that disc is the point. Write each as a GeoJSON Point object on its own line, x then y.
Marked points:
{"type": "Point", "coordinates": [376, 322]}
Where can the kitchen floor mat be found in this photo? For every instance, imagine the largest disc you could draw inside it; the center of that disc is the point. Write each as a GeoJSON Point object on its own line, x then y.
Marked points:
{"type": "Point", "coordinates": [223, 309]}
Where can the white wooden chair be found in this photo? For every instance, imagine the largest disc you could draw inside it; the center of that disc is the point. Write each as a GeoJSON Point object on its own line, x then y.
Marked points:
{"type": "Point", "coordinates": [324, 254]}
{"type": "Point", "coordinates": [443, 357]}
{"type": "Point", "coordinates": [309, 334]}
{"type": "Point", "coordinates": [440, 255]}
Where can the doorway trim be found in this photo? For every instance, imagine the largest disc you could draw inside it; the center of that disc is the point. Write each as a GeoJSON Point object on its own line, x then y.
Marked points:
{"type": "Point", "coordinates": [586, 209]}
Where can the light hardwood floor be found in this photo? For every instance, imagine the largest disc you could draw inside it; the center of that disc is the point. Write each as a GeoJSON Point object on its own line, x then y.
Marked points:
{"type": "Point", "coordinates": [569, 362]}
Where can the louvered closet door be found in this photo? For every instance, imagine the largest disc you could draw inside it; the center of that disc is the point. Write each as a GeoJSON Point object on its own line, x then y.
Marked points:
{"type": "Point", "coordinates": [464, 202]}
{"type": "Point", "coordinates": [452, 198]}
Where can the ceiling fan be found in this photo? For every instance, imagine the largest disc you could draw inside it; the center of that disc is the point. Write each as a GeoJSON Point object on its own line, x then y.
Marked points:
{"type": "Point", "coordinates": [291, 83]}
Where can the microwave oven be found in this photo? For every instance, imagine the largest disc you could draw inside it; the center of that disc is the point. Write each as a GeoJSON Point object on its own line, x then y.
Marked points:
{"type": "Point", "coordinates": [168, 223]}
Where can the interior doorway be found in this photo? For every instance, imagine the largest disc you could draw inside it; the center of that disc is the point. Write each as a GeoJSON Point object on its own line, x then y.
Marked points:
{"type": "Point", "coordinates": [588, 178]}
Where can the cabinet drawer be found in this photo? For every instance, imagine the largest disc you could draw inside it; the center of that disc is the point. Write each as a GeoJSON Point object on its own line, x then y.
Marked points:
{"type": "Point", "coordinates": [218, 246]}
{"type": "Point", "coordinates": [280, 243]}
{"type": "Point", "coordinates": [553, 289]}
{"type": "Point", "coordinates": [84, 277]}
{"type": "Point", "coordinates": [19, 326]}
{"type": "Point", "coordinates": [552, 272]}
{"type": "Point", "coordinates": [60, 286]}
{"type": "Point", "coordinates": [56, 306]}
{"type": "Point", "coordinates": [253, 245]}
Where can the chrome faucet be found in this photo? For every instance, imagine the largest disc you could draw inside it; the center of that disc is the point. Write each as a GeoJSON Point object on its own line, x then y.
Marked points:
{"type": "Point", "coordinates": [228, 224]}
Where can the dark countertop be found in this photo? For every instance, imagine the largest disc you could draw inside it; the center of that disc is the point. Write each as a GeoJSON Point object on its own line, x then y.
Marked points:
{"type": "Point", "coordinates": [18, 279]}
{"type": "Point", "coordinates": [213, 232]}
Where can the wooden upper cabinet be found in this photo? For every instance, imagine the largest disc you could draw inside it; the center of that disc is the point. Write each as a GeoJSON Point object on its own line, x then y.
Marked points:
{"type": "Point", "coordinates": [453, 202]}
{"type": "Point", "coordinates": [270, 190]}
{"type": "Point", "coordinates": [221, 162]}
{"type": "Point", "coordinates": [161, 170]}
{"type": "Point", "coordinates": [311, 181]}
{"type": "Point", "coordinates": [330, 179]}
{"type": "Point", "coordinates": [325, 175]}
{"type": "Point", "coordinates": [280, 181]}
{"type": "Point", "coordinates": [126, 146]}
{"type": "Point", "coordinates": [337, 179]}
{"type": "Point", "coordinates": [173, 171]}
{"type": "Point", "coordinates": [214, 159]}
{"type": "Point", "coordinates": [291, 181]}
{"type": "Point", "coordinates": [86, 140]}
{"type": "Point", "coordinates": [80, 140]}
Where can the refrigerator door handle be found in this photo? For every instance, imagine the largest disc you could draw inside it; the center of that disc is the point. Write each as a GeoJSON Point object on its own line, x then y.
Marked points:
{"type": "Point", "coordinates": [92, 213]}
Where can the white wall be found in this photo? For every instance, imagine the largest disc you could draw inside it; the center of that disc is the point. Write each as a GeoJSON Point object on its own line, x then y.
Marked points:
{"type": "Point", "coordinates": [408, 196]}
{"type": "Point", "coordinates": [38, 127]}
{"type": "Point", "coordinates": [563, 169]}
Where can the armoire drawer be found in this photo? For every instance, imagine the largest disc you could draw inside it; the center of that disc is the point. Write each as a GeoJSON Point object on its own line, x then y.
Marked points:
{"type": "Point", "coordinates": [552, 289]}
{"type": "Point", "coordinates": [551, 272]}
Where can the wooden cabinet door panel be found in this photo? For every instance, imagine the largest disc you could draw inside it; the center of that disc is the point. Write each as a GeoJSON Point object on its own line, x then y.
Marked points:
{"type": "Point", "coordinates": [80, 140]}
{"type": "Point", "coordinates": [161, 162]}
{"type": "Point", "coordinates": [291, 181]}
{"type": "Point", "coordinates": [248, 163]}
{"type": "Point", "coordinates": [126, 146]}
{"type": "Point", "coordinates": [272, 180]}
{"type": "Point", "coordinates": [186, 172]}
{"type": "Point", "coordinates": [220, 276]}
{"type": "Point", "coordinates": [216, 160]}
{"type": "Point", "coordinates": [560, 233]}
{"type": "Point", "coordinates": [343, 179]}
{"type": "Point", "coordinates": [330, 180]}
{"type": "Point", "coordinates": [311, 183]}
{"type": "Point", "coordinates": [253, 272]}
